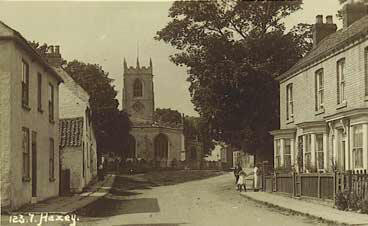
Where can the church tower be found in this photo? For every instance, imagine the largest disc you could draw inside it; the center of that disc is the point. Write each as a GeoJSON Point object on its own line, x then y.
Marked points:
{"type": "Point", "coordinates": [138, 96]}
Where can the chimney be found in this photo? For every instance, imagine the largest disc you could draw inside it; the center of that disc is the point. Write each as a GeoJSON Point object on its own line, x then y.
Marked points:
{"type": "Point", "coordinates": [322, 30]}
{"type": "Point", "coordinates": [53, 56]}
{"type": "Point", "coordinates": [353, 11]}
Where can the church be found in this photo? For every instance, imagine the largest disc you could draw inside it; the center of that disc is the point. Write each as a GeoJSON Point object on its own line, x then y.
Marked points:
{"type": "Point", "coordinates": [149, 140]}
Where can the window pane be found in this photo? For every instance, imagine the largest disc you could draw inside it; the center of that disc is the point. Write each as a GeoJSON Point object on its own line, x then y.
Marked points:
{"type": "Point", "coordinates": [287, 147]}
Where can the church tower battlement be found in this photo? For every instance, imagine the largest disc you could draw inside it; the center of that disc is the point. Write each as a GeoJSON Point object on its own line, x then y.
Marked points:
{"type": "Point", "coordinates": [138, 92]}
{"type": "Point", "coordinates": [138, 69]}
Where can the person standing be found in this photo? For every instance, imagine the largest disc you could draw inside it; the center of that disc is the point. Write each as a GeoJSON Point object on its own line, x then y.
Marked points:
{"type": "Point", "coordinates": [241, 181]}
{"type": "Point", "coordinates": [237, 170]}
{"type": "Point", "coordinates": [256, 178]}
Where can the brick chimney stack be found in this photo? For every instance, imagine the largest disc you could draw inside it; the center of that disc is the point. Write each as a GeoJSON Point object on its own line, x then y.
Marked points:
{"type": "Point", "coordinates": [353, 11]}
{"type": "Point", "coordinates": [53, 56]}
{"type": "Point", "coordinates": [322, 30]}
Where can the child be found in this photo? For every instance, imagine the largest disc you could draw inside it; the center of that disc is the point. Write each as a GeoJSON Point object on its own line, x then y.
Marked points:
{"type": "Point", "coordinates": [241, 181]}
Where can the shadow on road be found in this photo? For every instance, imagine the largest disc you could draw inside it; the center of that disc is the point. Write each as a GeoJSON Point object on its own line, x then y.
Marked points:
{"type": "Point", "coordinates": [107, 207]}
{"type": "Point", "coordinates": [120, 199]}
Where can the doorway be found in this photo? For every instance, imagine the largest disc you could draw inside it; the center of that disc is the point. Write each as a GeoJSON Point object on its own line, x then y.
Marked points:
{"type": "Point", "coordinates": [34, 164]}
{"type": "Point", "coordinates": [342, 152]}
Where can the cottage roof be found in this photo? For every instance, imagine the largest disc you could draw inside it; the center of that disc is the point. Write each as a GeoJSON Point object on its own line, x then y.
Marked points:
{"type": "Point", "coordinates": [12, 34]}
{"type": "Point", "coordinates": [329, 45]}
{"type": "Point", "coordinates": [71, 132]}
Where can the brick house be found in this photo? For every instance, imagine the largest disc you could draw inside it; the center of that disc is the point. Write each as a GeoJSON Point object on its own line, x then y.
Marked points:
{"type": "Point", "coordinates": [324, 99]}
{"type": "Point", "coordinates": [29, 117]}
{"type": "Point", "coordinates": [78, 149]}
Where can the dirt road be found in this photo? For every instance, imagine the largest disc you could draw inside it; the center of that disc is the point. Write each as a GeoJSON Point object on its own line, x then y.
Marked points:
{"type": "Point", "coordinates": [212, 201]}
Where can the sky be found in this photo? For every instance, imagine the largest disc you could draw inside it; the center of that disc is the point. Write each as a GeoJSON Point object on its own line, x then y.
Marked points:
{"type": "Point", "coordinates": [105, 33]}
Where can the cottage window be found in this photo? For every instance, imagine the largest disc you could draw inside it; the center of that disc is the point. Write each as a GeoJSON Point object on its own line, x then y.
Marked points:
{"type": "Point", "coordinates": [340, 81]}
{"type": "Point", "coordinates": [25, 84]}
{"type": "Point", "coordinates": [289, 102]}
{"type": "Point", "coordinates": [358, 146]}
{"type": "Point", "coordinates": [366, 70]}
{"type": "Point", "coordinates": [319, 151]}
{"type": "Point", "coordinates": [287, 153]}
{"type": "Point", "coordinates": [52, 160]}
{"type": "Point", "coordinates": [137, 88]}
{"type": "Point", "coordinates": [39, 92]}
{"type": "Point", "coordinates": [25, 148]}
{"type": "Point", "coordinates": [51, 102]}
{"type": "Point", "coordinates": [308, 152]}
{"type": "Point", "coordinates": [319, 89]}
{"type": "Point", "coordinates": [277, 154]}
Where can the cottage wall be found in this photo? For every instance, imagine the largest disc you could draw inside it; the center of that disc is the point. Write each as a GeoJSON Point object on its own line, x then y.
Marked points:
{"type": "Point", "coordinates": [14, 117]}
{"type": "Point", "coordinates": [72, 159]}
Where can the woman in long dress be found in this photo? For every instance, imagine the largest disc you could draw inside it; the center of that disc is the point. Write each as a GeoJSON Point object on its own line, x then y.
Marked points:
{"type": "Point", "coordinates": [256, 178]}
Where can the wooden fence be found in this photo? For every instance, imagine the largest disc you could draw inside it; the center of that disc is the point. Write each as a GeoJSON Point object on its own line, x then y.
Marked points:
{"type": "Point", "coordinates": [317, 185]}
{"type": "Point", "coordinates": [313, 185]}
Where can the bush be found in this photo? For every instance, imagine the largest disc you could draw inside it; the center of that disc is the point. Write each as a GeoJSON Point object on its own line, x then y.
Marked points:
{"type": "Point", "coordinates": [341, 201]}
{"type": "Point", "coordinates": [354, 201]}
{"type": "Point", "coordinates": [364, 206]}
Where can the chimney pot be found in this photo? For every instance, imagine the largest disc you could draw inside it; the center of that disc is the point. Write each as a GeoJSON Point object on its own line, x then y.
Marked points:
{"type": "Point", "coordinates": [329, 19]}
{"type": "Point", "coordinates": [319, 19]}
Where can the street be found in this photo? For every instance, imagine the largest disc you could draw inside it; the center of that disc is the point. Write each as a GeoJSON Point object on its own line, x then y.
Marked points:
{"type": "Point", "coordinates": [212, 201]}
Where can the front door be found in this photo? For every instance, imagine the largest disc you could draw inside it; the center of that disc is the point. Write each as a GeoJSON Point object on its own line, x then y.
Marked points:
{"type": "Point", "coordinates": [34, 164]}
{"type": "Point", "coordinates": [341, 154]}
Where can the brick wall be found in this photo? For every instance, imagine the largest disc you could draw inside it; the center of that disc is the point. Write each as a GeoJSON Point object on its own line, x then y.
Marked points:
{"type": "Point", "coordinates": [304, 87]}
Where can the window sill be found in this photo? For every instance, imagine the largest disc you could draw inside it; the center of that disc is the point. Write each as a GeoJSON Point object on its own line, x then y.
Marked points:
{"type": "Point", "coordinates": [26, 107]}
{"type": "Point", "coordinates": [40, 110]}
{"type": "Point", "coordinates": [26, 179]}
{"type": "Point", "coordinates": [320, 111]}
{"type": "Point", "coordinates": [52, 179]}
{"type": "Point", "coordinates": [366, 98]}
{"type": "Point", "coordinates": [342, 105]}
{"type": "Point", "coordinates": [52, 121]}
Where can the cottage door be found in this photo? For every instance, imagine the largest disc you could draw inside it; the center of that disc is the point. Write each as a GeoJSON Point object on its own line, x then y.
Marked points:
{"type": "Point", "coordinates": [34, 164]}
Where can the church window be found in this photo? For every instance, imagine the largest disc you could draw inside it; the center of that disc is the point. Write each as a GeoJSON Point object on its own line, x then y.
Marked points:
{"type": "Point", "coordinates": [137, 88]}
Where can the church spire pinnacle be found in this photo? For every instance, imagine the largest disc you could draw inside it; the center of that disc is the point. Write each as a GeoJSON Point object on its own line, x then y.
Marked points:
{"type": "Point", "coordinates": [150, 62]}
{"type": "Point", "coordinates": [125, 65]}
{"type": "Point", "coordinates": [138, 67]}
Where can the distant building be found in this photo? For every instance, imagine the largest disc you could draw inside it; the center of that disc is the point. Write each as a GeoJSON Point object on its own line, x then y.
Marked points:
{"type": "Point", "coordinates": [29, 117]}
{"type": "Point", "coordinates": [149, 140]}
{"type": "Point", "coordinates": [323, 99]}
{"type": "Point", "coordinates": [78, 148]}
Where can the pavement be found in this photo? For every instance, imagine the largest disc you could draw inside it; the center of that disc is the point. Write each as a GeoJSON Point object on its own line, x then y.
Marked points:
{"type": "Point", "coordinates": [69, 204]}
{"type": "Point", "coordinates": [319, 211]}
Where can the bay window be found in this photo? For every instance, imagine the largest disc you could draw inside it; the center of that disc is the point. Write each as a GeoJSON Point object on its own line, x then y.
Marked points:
{"type": "Point", "coordinates": [358, 146]}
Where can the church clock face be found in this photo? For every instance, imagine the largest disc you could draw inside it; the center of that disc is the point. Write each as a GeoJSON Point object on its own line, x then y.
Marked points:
{"type": "Point", "coordinates": [138, 106]}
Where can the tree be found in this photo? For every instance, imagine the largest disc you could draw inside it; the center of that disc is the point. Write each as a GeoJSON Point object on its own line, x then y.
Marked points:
{"type": "Point", "coordinates": [168, 116]}
{"type": "Point", "coordinates": [233, 50]}
{"type": "Point", "coordinates": [197, 136]}
{"type": "Point", "coordinates": [111, 125]}
{"type": "Point", "coordinates": [339, 13]}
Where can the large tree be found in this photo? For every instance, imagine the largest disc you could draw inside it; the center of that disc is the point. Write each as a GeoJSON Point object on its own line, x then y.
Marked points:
{"type": "Point", "coordinates": [233, 50]}
{"type": "Point", "coordinates": [111, 125]}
